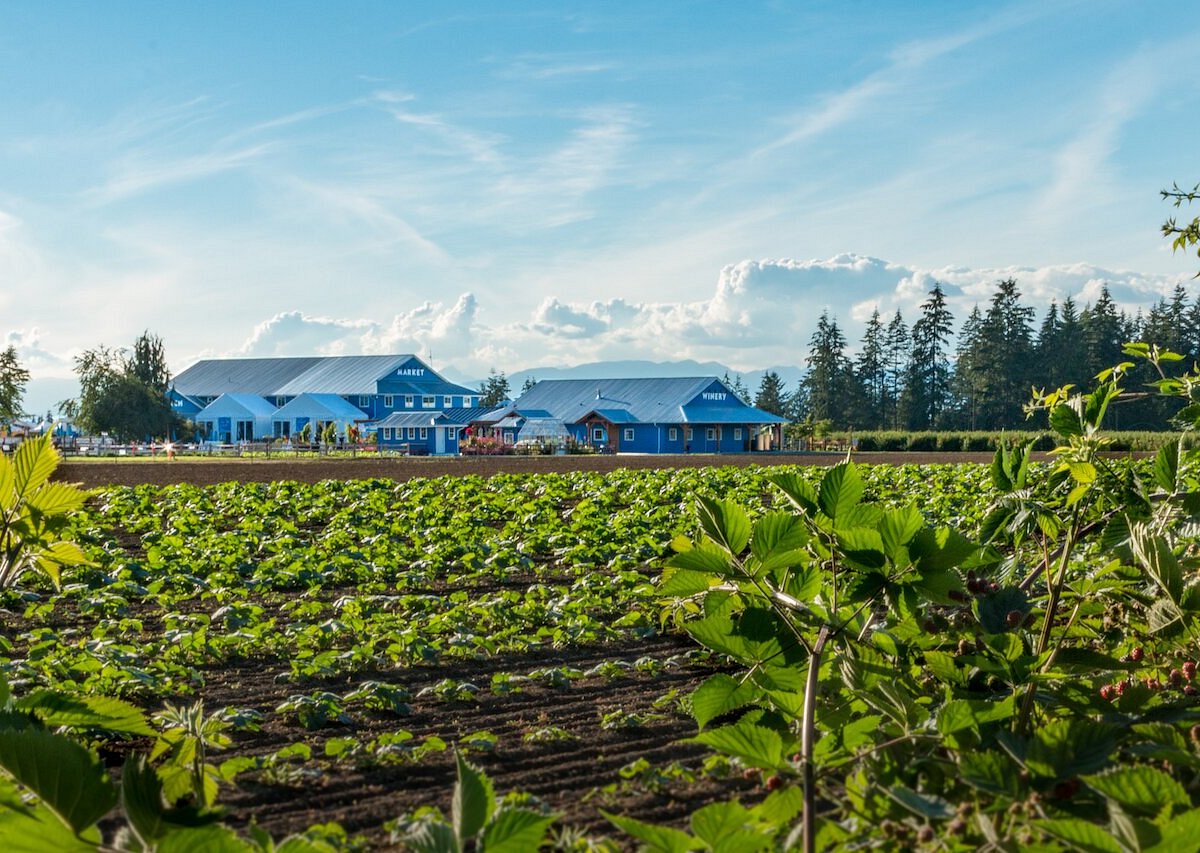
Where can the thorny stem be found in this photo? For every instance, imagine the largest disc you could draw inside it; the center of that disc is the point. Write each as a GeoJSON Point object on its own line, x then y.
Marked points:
{"type": "Point", "coordinates": [807, 731]}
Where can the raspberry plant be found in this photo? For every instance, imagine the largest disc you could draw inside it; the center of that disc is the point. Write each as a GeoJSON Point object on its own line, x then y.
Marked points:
{"type": "Point", "coordinates": [919, 689]}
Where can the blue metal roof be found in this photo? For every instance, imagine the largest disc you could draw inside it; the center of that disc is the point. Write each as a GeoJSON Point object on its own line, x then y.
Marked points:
{"type": "Point", "coordinates": [729, 415]}
{"type": "Point", "coordinates": [409, 419]}
{"type": "Point", "coordinates": [649, 401]}
{"type": "Point", "coordinates": [290, 377]}
{"type": "Point", "coordinates": [477, 414]}
{"type": "Point", "coordinates": [329, 407]}
{"type": "Point", "coordinates": [237, 404]}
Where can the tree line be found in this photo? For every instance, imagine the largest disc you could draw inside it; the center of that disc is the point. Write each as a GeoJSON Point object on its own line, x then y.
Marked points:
{"type": "Point", "coordinates": [912, 378]}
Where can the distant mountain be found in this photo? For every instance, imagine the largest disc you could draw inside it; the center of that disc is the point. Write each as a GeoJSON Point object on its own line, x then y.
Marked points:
{"type": "Point", "coordinates": [640, 369]}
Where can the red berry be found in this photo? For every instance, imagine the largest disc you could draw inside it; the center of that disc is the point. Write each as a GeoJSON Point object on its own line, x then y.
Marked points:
{"type": "Point", "coordinates": [1153, 684]}
{"type": "Point", "coordinates": [1189, 690]}
{"type": "Point", "coordinates": [773, 783]}
{"type": "Point", "coordinates": [1108, 692]}
{"type": "Point", "coordinates": [925, 834]}
{"type": "Point", "coordinates": [1066, 789]}
{"type": "Point", "coordinates": [1136, 654]}
{"type": "Point", "coordinates": [749, 773]}
{"type": "Point", "coordinates": [1189, 669]}
{"type": "Point", "coordinates": [1175, 677]}
{"type": "Point", "coordinates": [1013, 619]}
{"type": "Point", "coordinates": [1122, 686]}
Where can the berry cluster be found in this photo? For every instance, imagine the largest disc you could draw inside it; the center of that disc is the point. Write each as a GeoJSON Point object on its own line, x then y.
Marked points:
{"type": "Point", "coordinates": [1180, 678]}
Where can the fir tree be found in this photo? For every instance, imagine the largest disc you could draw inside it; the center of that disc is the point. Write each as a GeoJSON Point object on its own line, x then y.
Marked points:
{"type": "Point", "coordinates": [13, 379]}
{"type": "Point", "coordinates": [871, 370]}
{"type": "Point", "coordinates": [897, 357]}
{"type": "Point", "coordinates": [771, 396]}
{"type": "Point", "coordinates": [928, 392]}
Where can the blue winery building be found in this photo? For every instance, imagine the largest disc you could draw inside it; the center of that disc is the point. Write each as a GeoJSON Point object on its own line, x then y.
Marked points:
{"type": "Point", "coordinates": [362, 391]}
{"type": "Point", "coordinates": [676, 415]}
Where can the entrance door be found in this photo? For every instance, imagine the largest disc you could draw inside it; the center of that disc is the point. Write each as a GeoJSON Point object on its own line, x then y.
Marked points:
{"type": "Point", "coordinates": [439, 441]}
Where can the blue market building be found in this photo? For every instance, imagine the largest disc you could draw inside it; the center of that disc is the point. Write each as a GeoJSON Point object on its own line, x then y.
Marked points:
{"type": "Point", "coordinates": [670, 415]}
{"type": "Point", "coordinates": [362, 391]}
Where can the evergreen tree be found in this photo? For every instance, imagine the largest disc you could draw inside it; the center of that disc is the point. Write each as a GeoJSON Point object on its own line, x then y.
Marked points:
{"type": "Point", "coordinates": [871, 370]}
{"type": "Point", "coordinates": [1003, 359]}
{"type": "Point", "coordinates": [897, 357]}
{"type": "Point", "coordinates": [830, 383]}
{"type": "Point", "coordinates": [13, 379]}
{"type": "Point", "coordinates": [1104, 333]}
{"type": "Point", "coordinates": [771, 395]}
{"type": "Point", "coordinates": [967, 382]}
{"type": "Point", "coordinates": [125, 396]}
{"type": "Point", "coordinates": [928, 392]}
{"type": "Point", "coordinates": [528, 384]}
{"type": "Point", "coordinates": [494, 390]}
{"type": "Point", "coordinates": [740, 389]}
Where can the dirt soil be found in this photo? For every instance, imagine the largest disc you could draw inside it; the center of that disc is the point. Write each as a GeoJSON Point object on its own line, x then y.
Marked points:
{"type": "Point", "coordinates": [95, 473]}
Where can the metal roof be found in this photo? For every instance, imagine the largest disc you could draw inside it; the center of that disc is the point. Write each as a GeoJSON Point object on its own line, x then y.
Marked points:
{"type": "Point", "coordinates": [328, 406]}
{"type": "Point", "coordinates": [289, 377]}
{"type": "Point", "coordinates": [409, 419]}
{"type": "Point", "coordinates": [729, 415]}
{"type": "Point", "coordinates": [262, 376]}
{"type": "Point", "coordinates": [477, 414]}
{"type": "Point", "coordinates": [234, 404]}
{"type": "Point", "coordinates": [646, 401]}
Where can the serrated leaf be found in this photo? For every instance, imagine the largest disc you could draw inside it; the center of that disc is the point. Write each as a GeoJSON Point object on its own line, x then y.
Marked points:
{"type": "Point", "coordinates": [1065, 748]}
{"type": "Point", "coordinates": [898, 527]}
{"type": "Point", "coordinates": [863, 547]}
{"type": "Point", "coordinates": [1178, 833]}
{"type": "Point", "coordinates": [33, 463]}
{"type": "Point", "coordinates": [659, 838]}
{"type": "Point", "coordinates": [841, 489]}
{"type": "Point", "coordinates": [777, 532]}
{"type": "Point", "coordinates": [941, 548]}
{"type": "Point", "coordinates": [1065, 421]}
{"type": "Point", "coordinates": [205, 839]}
{"type": "Point", "coordinates": [756, 745]}
{"type": "Point", "coordinates": [994, 608]}
{"type": "Point", "coordinates": [683, 583]}
{"type": "Point", "coordinates": [1166, 467]}
{"type": "Point", "coordinates": [1080, 835]}
{"type": "Point", "coordinates": [705, 557]}
{"type": "Point", "coordinates": [516, 830]}
{"type": "Point", "coordinates": [798, 490]}
{"type": "Point", "coordinates": [990, 772]}
{"type": "Point", "coordinates": [1142, 790]}
{"type": "Point", "coordinates": [473, 801]}
{"type": "Point", "coordinates": [38, 830]}
{"type": "Point", "coordinates": [1155, 556]}
{"type": "Point", "coordinates": [85, 712]}
{"type": "Point", "coordinates": [922, 805]}
{"type": "Point", "coordinates": [66, 777]}
{"type": "Point", "coordinates": [720, 694]}
{"type": "Point", "coordinates": [725, 522]}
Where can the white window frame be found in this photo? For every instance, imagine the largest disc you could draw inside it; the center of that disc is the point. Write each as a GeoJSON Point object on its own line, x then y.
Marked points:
{"type": "Point", "coordinates": [687, 434]}
{"type": "Point", "coordinates": [389, 401]}
{"type": "Point", "coordinates": [597, 433]}
{"type": "Point", "coordinates": [412, 433]}
{"type": "Point", "coordinates": [424, 433]}
{"type": "Point", "coordinates": [363, 401]}
{"type": "Point", "coordinates": [428, 402]}
{"type": "Point", "coordinates": [710, 434]}
{"type": "Point", "coordinates": [737, 433]}
{"type": "Point", "coordinates": [451, 433]}
{"type": "Point", "coordinates": [408, 401]}
{"type": "Point", "coordinates": [673, 434]}
{"type": "Point", "coordinates": [387, 433]}
{"type": "Point", "coordinates": [628, 434]}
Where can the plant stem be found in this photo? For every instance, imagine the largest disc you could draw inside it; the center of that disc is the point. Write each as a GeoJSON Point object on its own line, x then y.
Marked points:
{"type": "Point", "coordinates": [807, 732]}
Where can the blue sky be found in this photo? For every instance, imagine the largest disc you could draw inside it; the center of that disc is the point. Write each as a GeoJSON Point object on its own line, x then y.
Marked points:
{"type": "Point", "coordinates": [519, 184]}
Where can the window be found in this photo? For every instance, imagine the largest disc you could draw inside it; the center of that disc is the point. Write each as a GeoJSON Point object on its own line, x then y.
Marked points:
{"type": "Point", "coordinates": [427, 402]}
{"type": "Point", "coordinates": [737, 433]}
{"type": "Point", "coordinates": [424, 433]}
{"type": "Point", "coordinates": [412, 433]}
{"type": "Point", "coordinates": [408, 401]}
{"type": "Point", "coordinates": [363, 401]}
{"type": "Point", "coordinates": [598, 434]}
{"type": "Point", "coordinates": [687, 434]}
{"type": "Point", "coordinates": [450, 434]}
{"type": "Point", "coordinates": [388, 401]}
{"type": "Point", "coordinates": [387, 433]}
{"type": "Point", "coordinates": [673, 434]}
{"type": "Point", "coordinates": [628, 436]}
{"type": "Point", "coordinates": [710, 433]}
{"type": "Point", "coordinates": [280, 402]}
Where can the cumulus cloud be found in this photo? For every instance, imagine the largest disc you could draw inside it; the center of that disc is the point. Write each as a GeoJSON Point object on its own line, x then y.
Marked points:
{"type": "Point", "coordinates": [758, 313]}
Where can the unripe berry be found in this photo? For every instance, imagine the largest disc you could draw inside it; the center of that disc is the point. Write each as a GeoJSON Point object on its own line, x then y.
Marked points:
{"type": "Point", "coordinates": [773, 783]}
{"type": "Point", "coordinates": [1194, 733]}
{"type": "Point", "coordinates": [1176, 677]}
{"type": "Point", "coordinates": [925, 834]}
{"type": "Point", "coordinates": [1013, 619]}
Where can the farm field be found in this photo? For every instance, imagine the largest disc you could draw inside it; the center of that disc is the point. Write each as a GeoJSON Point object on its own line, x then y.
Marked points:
{"type": "Point", "coordinates": [356, 632]}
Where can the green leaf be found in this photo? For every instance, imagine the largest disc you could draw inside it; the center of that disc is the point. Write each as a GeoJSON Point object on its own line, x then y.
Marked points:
{"type": "Point", "coordinates": [1080, 835]}
{"type": "Point", "coordinates": [941, 548]}
{"type": "Point", "coordinates": [1153, 552]}
{"type": "Point", "coordinates": [863, 547]}
{"type": "Point", "coordinates": [705, 557]}
{"type": "Point", "coordinates": [85, 712]}
{"type": "Point", "coordinates": [991, 772]}
{"type": "Point", "coordinates": [516, 830]}
{"type": "Point", "coordinates": [33, 463]}
{"type": "Point", "coordinates": [65, 776]}
{"type": "Point", "coordinates": [205, 839]}
{"type": "Point", "coordinates": [922, 805]}
{"type": "Point", "coordinates": [723, 826]}
{"type": "Point", "coordinates": [142, 797]}
{"type": "Point", "coordinates": [781, 806]}
{"type": "Point", "coordinates": [777, 532]}
{"type": "Point", "coordinates": [657, 838]}
{"type": "Point", "coordinates": [725, 522]}
{"type": "Point", "coordinates": [994, 608]}
{"type": "Point", "coordinates": [756, 745]}
{"type": "Point", "coordinates": [720, 694]}
{"type": "Point", "coordinates": [798, 490]}
{"type": "Point", "coordinates": [1178, 833]}
{"type": "Point", "coordinates": [1065, 748]}
{"type": "Point", "coordinates": [1065, 421]}
{"type": "Point", "coordinates": [1143, 790]}
{"type": "Point", "coordinates": [431, 837]}
{"type": "Point", "coordinates": [473, 802]}
{"type": "Point", "coordinates": [841, 488]}
{"type": "Point", "coordinates": [38, 830]}
{"type": "Point", "coordinates": [898, 527]}
{"type": "Point", "coordinates": [683, 583]}
{"type": "Point", "coordinates": [1166, 467]}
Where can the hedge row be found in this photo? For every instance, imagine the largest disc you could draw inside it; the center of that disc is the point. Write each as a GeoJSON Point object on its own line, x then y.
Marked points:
{"type": "Point", "coordinates": [987, 442]}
